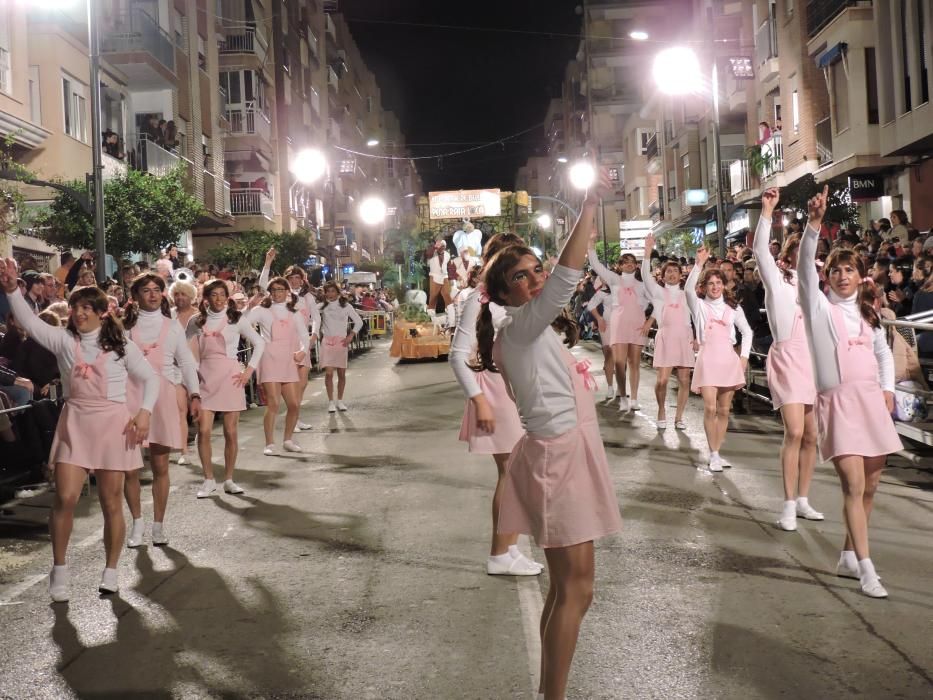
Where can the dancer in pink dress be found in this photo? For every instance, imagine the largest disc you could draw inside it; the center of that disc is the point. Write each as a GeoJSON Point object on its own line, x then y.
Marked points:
{"type": "Point", "coordinates": [336, 315]}
{"type": "Point", "coordinates": [557, 485]}
{"type": "Point", "coordinates": [287, 342]}
{"type": "Point", "coordinates": [854, 374]}
{"type": "Point", "coordinates": [163, 342]}
{"type": "Point", "coordinates": [603, 297]}
{"type": "Point", "coordinates": [95, 432]}
{"type": "Point", "coordinates": [673, 344]}
{"type": "Point", "coordinates": [789, 367]}
{"type": "Point", "coordinates": [218, 329]}
{"type": "Point", "coordinates": [626, 325]}
{"type": "Point", "coordinates": [490, 424]}
{"type": "Point", "coordinates": [718, 371]}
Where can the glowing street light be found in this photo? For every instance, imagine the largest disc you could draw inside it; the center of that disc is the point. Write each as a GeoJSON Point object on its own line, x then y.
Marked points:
{"type": "Point", "coordinates": [561, 159]}
{"type": "Point", "coordinates": [544, 220]}
{"type": "Point", "coordinates": [638, 35]}
{"type": "Point", "coordinates": [372, 142]}
{"type": "Point", "coordinates": [372, 211]}
{"type": "Point", "coordinates": [309, 165]}
{"type": "Point", "coordinates": [582, 175]}
{"type": "Point", "coordinates": [677, 71]}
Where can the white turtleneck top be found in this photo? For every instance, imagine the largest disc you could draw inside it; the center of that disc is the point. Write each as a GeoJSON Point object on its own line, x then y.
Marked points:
{"type": "Point", "coordinates": [463, 345]}
{"type": "Point", "coordinates": [700, 309]}
{"type": "Point", "coordinates": [217, 322]}
{"type": "Point", "coordinates": [61, 343]}
{"type": "Point", "coordinates": [821, 332]}
{"type": "Point", "coordinates": [604, 297]}
{"type": "Point", "coordinates": [655, 293]}
{"type": "Point", "coordinates": [335, 319]}
{"type": "Point", "coordinates": [265, 317]}
{"type": "Point", "coordinates": [617, 281]}
{"type": "Point", "coordinates": [306, 304]}
{"type": "Point", "coordinates": [179, 366]}
{"type": "Point", "coordinates": [781, 300]}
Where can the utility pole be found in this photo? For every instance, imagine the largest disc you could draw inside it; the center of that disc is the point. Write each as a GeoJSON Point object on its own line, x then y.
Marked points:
{"type": "Point", "coordinates": [97, 160]}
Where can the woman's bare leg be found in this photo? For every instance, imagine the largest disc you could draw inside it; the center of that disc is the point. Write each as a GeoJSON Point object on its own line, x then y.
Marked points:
{"type": "Point", "coordinates": [231, 446]}
{"type": "Point", "coordinates": [634, 370]}
{"type": "Point", "coordinates": [181, 395]}
{"type": "Point", "coordinates": [110, 493]}
{"type": "Point", "coordinates": [273, 392]}
{"type": "Point", "coordinates": [205, 426]}
{"type": "Point", "coordinates": [290, 397]}
{"type": "Point", "coordinates": [710, 425]}
{"type": "Point", "coordinates": [683, 391]}
{"type": "Point", "coordinates": [723, 407]}
{"type": "Point", "coordinates": [660, 391]}
{"type": "Point", "coordinates": [793, 416]}
{"type": "Point", "coordinates": [69, 480]}
{"type": "Point", "coordinates": [341, 382]}
{"type": "Point", "coordinates": [500, 541]}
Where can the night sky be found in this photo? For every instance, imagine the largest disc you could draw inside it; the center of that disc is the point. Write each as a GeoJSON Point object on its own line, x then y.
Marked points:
{"type": "Point", "coordinates": [467, 86]}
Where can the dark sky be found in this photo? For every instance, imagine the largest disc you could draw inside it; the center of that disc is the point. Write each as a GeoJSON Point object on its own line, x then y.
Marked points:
{"type": "Point", "coordinates": [467, 86]}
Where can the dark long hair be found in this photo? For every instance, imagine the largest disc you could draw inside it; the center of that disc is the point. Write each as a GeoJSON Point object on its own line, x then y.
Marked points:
{"type": "Point", "coordinates": [233, 313]}
{"type": "Point", "coordinates": [111, 338]}
{"type": "Point", "coordinates": [494, 279]}
{"type": "Point", "coordinates": [340, 297]}
{"type": "Point", "coordinates": [290, 305]}
{"type": "Point", "coordinates": [790, 246]}
{"type": "Point", "coordinates": [866, 291]}
{"type": "Point", "coordinates": [727, 294]}
{"type": "Point", "coordinates": [500, 241]}
{"type": "Point", "coordinates": [131, 308]}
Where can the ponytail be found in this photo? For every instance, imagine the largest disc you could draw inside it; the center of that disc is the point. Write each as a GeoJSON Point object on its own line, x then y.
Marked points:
{"type": "Point", "coordinates": [485, 335]}
{"type": "Point", "coordinates": [867, 293]}
{"type": "Point", "coordinates": [566, 326]}
{"type": "Point", "coordinates": [130, 314]}
{"type": "Point", "coordinates": [112, 338]}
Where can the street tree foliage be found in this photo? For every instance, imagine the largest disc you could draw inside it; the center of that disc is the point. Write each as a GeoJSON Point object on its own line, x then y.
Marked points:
{"type": "Point", "coordinates": [143, 214]}
{"type": "Point", "coordinates": [246, 252]}
{"type": "Point", "coordinates": [839, 210]}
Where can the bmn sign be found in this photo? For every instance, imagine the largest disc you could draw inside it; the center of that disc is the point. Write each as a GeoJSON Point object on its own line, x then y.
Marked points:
{"type": "Point", "coordinates": [870, 186]}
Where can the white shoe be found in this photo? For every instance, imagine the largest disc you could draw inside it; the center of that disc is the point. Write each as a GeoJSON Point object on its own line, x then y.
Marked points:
{"type": "Point", "coordinates": [159, 538]}
{"type": "Point", "coordinates": [871, 586]}
{"type": "Point", "coordinates": [680, 425]}
{"type": "Point", "coordinates": [109, 582]}
{"type": "Point", "coordinates": [268, 450]}
{"type": "Point", "coordinates": [806, 511]}
{"type": "Point", "coordinates": [517, 554]}
{"type": "Point", "coordinates": [136, 533]}
{"type": "Point", "coordinates": [341, 406]}
{"type": "Point", "coordinates": [725, 462]}
{"type": "Point", "coordinates": [207, 488]}
{"type": "Point", "coordinates": [514, 567]}
{"type": "Point", "coordinates": [291, 446]}
{"type": "Point", "coordinates": [715, 463]}
{"type": "Point", "coordinates": [230, 486]}
{"type": "Point", "coordinates": [303, 426]}
{"type": "Point", "coordinates": [634, 406]}
{"type": "Point", "coordinates": [59, 583]}
{"type": "Point", "coordinates": [332, 407]}
{"type": "Point", "coordinates": [610, 393]}
{"type": "Point", "coordinates": [845, 570]}
{"type": "Point", "coordinates": [183, 459]}
{"type": "Point", "coordinates": [662, 424]}
{"type": "Point", "coordinates": [623, 404]}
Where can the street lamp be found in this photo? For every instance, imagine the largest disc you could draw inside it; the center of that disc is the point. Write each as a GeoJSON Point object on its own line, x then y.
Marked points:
{"type": "Point", "coordinates": [544, 221]}
{"type": "Point", "coordinates": [309, 166]}
{"type": "Point", "coordinates": [582, 175]}
{"type": "Point", "coordinates": [372, 211]}
{"type": "Point", "coordinates": [372, 142]}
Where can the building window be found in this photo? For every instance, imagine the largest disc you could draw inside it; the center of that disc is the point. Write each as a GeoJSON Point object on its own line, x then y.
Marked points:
{"type": "Point", "coordinates": [789, 7]}
{"type": "Point", "coordinates": [840, 87]}
{"type": "Point", "coordinates": [75, 109]}
{"type": "Point", "coordinates": [614, 175]}
{"type": "Point", "coordinates": [795, 111]}
{"type": "Point", "coordinates": [871, 85]}
{"type": "Point", "coordinates": [369, 104]}
{"type": "Point", "coordinates": [644, 136]}
{"type": "Point", "coordinates": [907, 103]}
{"type": "Point", "coordinates": [685, 164]}
{"type": "Point", "coordinates": [6, 71]}
{"type": "Point", "coordinates": [922, 43]}
{"type": "Point", "coordinates": [35, 97]}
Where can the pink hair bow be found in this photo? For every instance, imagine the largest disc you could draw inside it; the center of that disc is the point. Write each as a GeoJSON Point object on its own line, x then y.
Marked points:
{"type": "Point", "coordinates": [583, 369]}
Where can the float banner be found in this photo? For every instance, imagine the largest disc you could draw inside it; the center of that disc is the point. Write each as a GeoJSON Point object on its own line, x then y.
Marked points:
{"type": "Point", "coordinates": [465, 203]}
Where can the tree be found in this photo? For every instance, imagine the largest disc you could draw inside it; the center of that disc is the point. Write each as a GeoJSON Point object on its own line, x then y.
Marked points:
{"type": "Point", "coordinates": [143, 214]}
{"type": "Point", "coordinates": [247, 251]}
{"type": "Point", "coordinates": [839, 209]}
{"type": "Point", "coordinates": [679, 242]}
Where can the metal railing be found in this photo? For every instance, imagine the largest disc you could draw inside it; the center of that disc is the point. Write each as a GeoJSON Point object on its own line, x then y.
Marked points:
{"type": "Point", "coordinates": [136, 31]}
{"type": "Point", "coordinates": [153, 159]}
{"type": "Point", "coordinates": [774, 147]}
{"type": "Point", "coordinates": [249, 41]}
{"type": "Point", "coordinates": [822, 12]}
{"type": "Point", "coordinates": [740, 177]}
{"type": "Point", "coordinates": [766, 46]}
{"type": "Point", "coordinates": [228, 207]}
{"type": "Point", "coordinates": [249, 120]}
{"type": "Point", "coordinates": [824, 141]}
{"type": "Point", "coordinates": [252, 202]}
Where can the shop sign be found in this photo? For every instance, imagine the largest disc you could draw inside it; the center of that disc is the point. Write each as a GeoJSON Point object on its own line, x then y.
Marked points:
{"type": "Point", "coordinates": [460, 204]}
{"type": "Point", "coordinates": [711, 227]}
{"type": "Point", "coordinates": [696, 198]}
{"type": "Point", "coordinates": [866, 186]}
{"type": "Point", "coordinates": [740, 220]}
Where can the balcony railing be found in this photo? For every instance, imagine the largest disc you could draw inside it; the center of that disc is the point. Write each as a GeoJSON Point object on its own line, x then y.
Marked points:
{"type": "Point", "coordinates": [251, 202]}
{"type": "Point", "coordinates": [249, 120]}
{"type": "Point", "coordinates": [228, 210]}
{"type": "Point", "coordinates": [821, 12]}
{"type": "Point", "coordinates": [153, 159]}
{"type": "Point", "coordinates": [113, 167]}
{"type": "Point", "coordinates": [773, 148]}
{"type": "Point", "coordinates": [136, 31]}
{"type": "Point", "coordinates": [250, 41]}
{"type": "Point", "coordinates": [651, 148]}
{"type": "Point", "coordinates": [824, 141]}
{"type": "Point", "coordinates": [740, 177]}
{"type": "Point", "coordinates": [613, 93]}
{"type": "Point", "coordinates": [766, 46]}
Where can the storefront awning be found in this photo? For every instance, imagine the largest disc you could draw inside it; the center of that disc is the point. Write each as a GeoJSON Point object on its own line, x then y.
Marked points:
{"type": "Point", "coordinates": [830, 56]}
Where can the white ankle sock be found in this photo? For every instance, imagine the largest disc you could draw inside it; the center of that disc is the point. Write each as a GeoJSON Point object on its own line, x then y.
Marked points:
{"type": "Point", "coordinates": [713, 454]}
{"type": "Point", "coordinates": [503, 559]}
{"type": "Point", "coordinates": [866, 569]}
{"type": "Point", "coordinates": [848, 556]}
{"type": "Point", "coordinates": [790, 508]}
{"type": "Point", "coordinates": [803, 501]}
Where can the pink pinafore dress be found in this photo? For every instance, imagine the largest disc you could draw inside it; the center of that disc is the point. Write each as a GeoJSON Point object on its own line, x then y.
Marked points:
{"type": "Point", "coordinates": [558, 489]}
{"type": "Point", "coordinates": [165, 424]}
{"type": "Point", "coordinates": [334, 353]}
{"type": "Point", "coordinates": [717, 363]}
{"type": "Point", "coordinates": [90, 429]}
{"type": "Point", "coordinates": [673, 345]}
{"type": "Point", "coordinates": [628, 318]}
{"type": "Point", "coordinates": [852, 417]}
{"type": "Point", "coordinates": [218, 373]}
{"type": "Point", "coordinates": [790, 369]}
{"type": "Point", "coordinates": [508, 423]}
{"type": "Point", "coordinates": [278, 361]}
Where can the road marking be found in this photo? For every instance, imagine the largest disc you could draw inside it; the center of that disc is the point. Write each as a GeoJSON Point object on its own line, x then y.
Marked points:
{"type": "Point", "coordinates": [531, 605]}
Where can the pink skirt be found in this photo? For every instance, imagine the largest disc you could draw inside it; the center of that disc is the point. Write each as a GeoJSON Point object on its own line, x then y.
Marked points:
{"type": "Point", "coordinates": [165, 423]}
{"type": "Point", "coordinates": [333, 352]}
{"type": "Point", "coordinates": [623, 332]}
{"type": "Point", "coordinates": [218, 390]}
{"type": "Point", "coordinates": [277, 364]}
{"type": "Point", "coordinates": [671, 351]}
{"type": "Point", "coordinates": [90, 435]}
{"type": "Point", "coordinates": [509, 428]}
{"type": "Point", "coordinates": [853, 420]}
{"type": "Point", "coordinates": [717, 367]}
{"type": "Point", "coordinates": [558, 489]}
{"type": "Point", "coordinates": [790, 373]}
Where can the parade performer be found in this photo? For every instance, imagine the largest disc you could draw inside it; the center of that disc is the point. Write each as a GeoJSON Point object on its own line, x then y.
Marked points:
{"type": "Point", "coordinates": [336, 315]}
{"type": "Point", "coordinates": [603, 297]}
{"type": "Point", "coordinates": [149, 323]}
{"type": "Point", "coordinates": [557, 479]}
{"type": "Point", "coordinates": [95, 430]}
{"type": "Point", "coordinates": [438, 280]}
{"type": "Point", "coordinates": [673, 344]}
{"type": "Point", "coordinates": [718, 371]}
{"type": "Point", "coordinates": [490, 424]}
{"type": "Point", "coordinates": [854, 375]}
{"type": "Point", "coordinates": [184, 295]}
{"type": "Point", "coordinates": [789, 367]}
{"type": "Point", "coordinates": [287, 341]}
{"type": "Point", "coordinates": [626, 324]}
{"type": "Point", "coordinates": [217, 331]}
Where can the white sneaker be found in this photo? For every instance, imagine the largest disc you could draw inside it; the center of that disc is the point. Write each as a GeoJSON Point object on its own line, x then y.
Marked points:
{"type": "Point", "coordinates": [725, 462]}
{"type": "Point", "coordinates": [59, 583]}
{"type": "Point", "coordinates": [845, 570]}
{"type": "Point", "coordinates": [623, 404]}
{"type": "Point", "coordinates": [332, 407]}
{"type": "Point", "coordinates": [341, 406]}
{"type": "Point", "coordinates": [109, 582]}
{"type": "Point", "coordinates": [268, 450]}
{"type": "Point", "coordinates": [291, 446]}
{"type": "Point", "coordinates": [183, 459]}
{"type": "Point", "coordinates": [230, 486]}
{"type": "Point", "coordinates": [806, 511]}
{"type": "Point", "coordinates": [159, 538]}
{"type": "Point", "coordinates": [715, 463]}
{"type": "Point", "coordinates": [303, 426]}
{"type": "Point", "coordinates": [634, 406]}
{"type": "Point", "coordinates": [680, 425]}
{"type": "Point", "coordinates": [610, 393]}
{"type": "Point", "coordinates": [662, 424]}
{"type": "Point", "coordinates": [207, 488]}
{"type": "Point", "coordinates": [788, 519]}
{"type": "Point", "coordinates": [517, 554]}
{"type": "Point", "coordinates": [871, 586]}
{"type": "Point", "coordinates": [514, 567]}
{"type": "Point", "coordinates": [136, 533]}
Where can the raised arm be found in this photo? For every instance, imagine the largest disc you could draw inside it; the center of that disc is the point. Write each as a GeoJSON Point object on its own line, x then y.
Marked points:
{"type": "Point", "coordinates": [652, 289]}
{"type": "Point", "coordinates": [267, 266]}
{"type": "Point", "coordinates": [608, 276]}
{"type": "Point", "coordinates": [690, 286]}
{"type": "Point", "coordinates": [812, 300]}
{"type": "Point", "coordinates": [767, 267]}
{"type": "Point", "coordinates": [53, 339]}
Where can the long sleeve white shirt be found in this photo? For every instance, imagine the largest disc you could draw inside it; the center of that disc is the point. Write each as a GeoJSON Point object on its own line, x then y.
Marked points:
{"type": "Point", "coordinates": [701, 310]}
{"type": "Point", "coordinates": [604, 297]}
{"type": "Point", "coordinates": [532, 355]}
{"type": "Point", "coordinates": [179, 365]}
{"type": "Point", "coordinates": [335, 318]}
{"type": "Point", "coordinates": [655, 293]}
{"type": "Point", "coordinates": [437, 264]}
{"type": "Point", "coordinates": [821, 331]}
{"type": "Point", "coordinates": [61, 343]}
{"type": "Point", "coordinates": [780, 295]}
{"type": "Point", "coordinates": [463, 345]}
{"type": "Point", "coordinates": [617, 281]}
{"type": "Point", "coordinates": [217, 322]}
{"type": "Point", "coordinates": [266, 317]}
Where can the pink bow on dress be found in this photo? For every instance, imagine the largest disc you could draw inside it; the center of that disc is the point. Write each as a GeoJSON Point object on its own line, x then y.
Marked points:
{"type": "Point", "coordinates": [147, 348]}
{"type": "Point", "coordinates": [583, 369]}
{"type": "Point", "coordinates": [213, 334]}
{"type": "Point", "coordinates": [630, 291]}
{"type": "Point", "coordinates": [83, 370]}
{"type": "Point", "coordinates": [720, 321]}
{"type": "Point", "coordinates": [673, 306]}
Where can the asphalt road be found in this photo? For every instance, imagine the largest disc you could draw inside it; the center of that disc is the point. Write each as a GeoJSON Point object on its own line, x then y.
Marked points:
{"type": "Point", "coordinates": [356, 571]}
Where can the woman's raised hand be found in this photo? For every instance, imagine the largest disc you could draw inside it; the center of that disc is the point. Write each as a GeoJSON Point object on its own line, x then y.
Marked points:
{"type": "Point", "coordinates": [8, 275]}
{"type": "Point", "coordinates": [702, 255]}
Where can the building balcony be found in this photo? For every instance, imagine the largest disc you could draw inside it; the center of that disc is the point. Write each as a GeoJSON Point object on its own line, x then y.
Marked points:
{"type": "Point", "coordinates": [766, 51]}
{"type": "Point", "coordinates": [136, 44]}
{"type": "Point", "coordinates": [824, 141]}
{"type": "Point", "coordinates": [773, 148]}
{"type": "Point", "coordinates": [151, 158]}
{"type": "Point", "coordinates": [822, 12]}
{"type": "Point", "coordinates": [333, 82]}
{"type": "Point", "coordinates": [614, 95]}
{"type": "Point", "coordinates": [248, 120]}
{"type": "Point", "coordinates": [740, 177]}
{"type": "Point", "coordinates": [736, 93]}
{"type": "Point", "coordinates": [248, 41]}
{"type": "Point", "coordinates": [113, 167]}
{"type": "Point", "coordinates": [252, 202]}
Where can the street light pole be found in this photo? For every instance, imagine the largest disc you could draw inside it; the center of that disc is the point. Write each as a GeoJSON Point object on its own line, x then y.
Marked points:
{"type": "Point", "coordinates": [720, 217]}
{"type": "Point", "coordinates": [97, 160]}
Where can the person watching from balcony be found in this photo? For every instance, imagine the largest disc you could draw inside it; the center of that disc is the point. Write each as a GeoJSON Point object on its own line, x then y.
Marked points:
{"type": "Point", "coordinates": [777, 126]}
{"type": "Point", "coordinates": [764, 133]}
{"type": "Point", "coordinates": [170, 136]}
{"type": "Point", "coordinates": [152, 131]}
{"type": "Point", "coordinates": [112, 145]}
